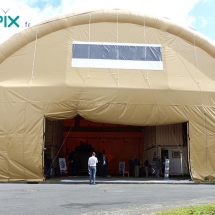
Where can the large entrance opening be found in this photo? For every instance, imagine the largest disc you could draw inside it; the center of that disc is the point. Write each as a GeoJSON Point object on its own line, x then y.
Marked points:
{"type": "Point", "coordinates": [81, 137]}
{"type": "Point", "coordinates": [75, 139]}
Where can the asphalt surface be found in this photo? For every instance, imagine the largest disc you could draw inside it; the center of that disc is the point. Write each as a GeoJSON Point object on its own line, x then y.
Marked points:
{"type": "Point", "coordinates": [104, 198]}
{"type": "Point", "coordinates": [121, 180]}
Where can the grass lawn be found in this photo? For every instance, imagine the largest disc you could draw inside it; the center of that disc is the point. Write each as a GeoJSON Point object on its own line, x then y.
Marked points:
{"type": "Point", "coordinates": [207, 209]}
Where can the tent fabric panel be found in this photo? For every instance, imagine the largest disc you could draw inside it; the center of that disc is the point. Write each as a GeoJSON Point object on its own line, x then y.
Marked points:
{"type": "Point", "coordinates": [132, 114]}
{"type": "Point", "coordinates": [55, 47]}
{"type": "Point", "coordinates": [4, 156]}
{"type": "Point", "coordinates": [134, 95]}
{"type": "Point", "coordinates": [210, 142]}
{"type": "Point", "coordinates": [23, 154]}
{"type": "Point", "coordinates": [210, 157]}
{"type": "Point", "coordinates": [198, 155]}
{"type": "Point", "coordinates": [61, 111]}
{"type": "Point", "coordinates": [92, 77]}
{"type": "Point", "coordinates": [12, 67]}
{"type": "Point", "coordinates": [12, 116]}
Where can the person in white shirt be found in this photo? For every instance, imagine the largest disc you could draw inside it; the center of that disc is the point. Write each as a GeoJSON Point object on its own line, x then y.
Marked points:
{"type": "Point", "coordinates": [92, 161]}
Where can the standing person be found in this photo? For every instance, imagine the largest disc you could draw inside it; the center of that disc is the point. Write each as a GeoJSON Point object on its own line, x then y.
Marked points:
{"type": "Point", "coordinates": [48, 165]}
{"type": "Point", "coordinates": [163, 165]}
{"type": "Point", "coordinates": [158, 166]}
{"type": "Point", "coordinates": [146, 164]}
{"type": "Point", "coordinates": [131, 166]}
{"type": "Point", "coordinates": [137, 166]}
{"type": "Point", "coordinates": [92, 161]}
{"type": "Point", "coordinates": [104, 166]}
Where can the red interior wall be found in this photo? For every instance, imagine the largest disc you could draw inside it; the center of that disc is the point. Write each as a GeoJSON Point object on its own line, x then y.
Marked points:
{"type": "Point", "coordinates": [118, 146]}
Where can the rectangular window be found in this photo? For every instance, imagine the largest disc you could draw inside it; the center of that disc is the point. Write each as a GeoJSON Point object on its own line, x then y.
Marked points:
{"type": "Point", "coordinates": [117, 55]}
{"type": "Point", "coordinates": [176, 154]}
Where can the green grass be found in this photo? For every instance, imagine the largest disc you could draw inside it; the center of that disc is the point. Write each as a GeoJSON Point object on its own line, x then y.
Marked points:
{"type": "Point", "coordinates": [208, 181]}
{"type": "Point", "coordinates": [207, 209]}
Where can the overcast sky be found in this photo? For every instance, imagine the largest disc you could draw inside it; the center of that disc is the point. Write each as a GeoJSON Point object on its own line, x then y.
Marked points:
{"type": "Point", "coordinates": [198, 14]}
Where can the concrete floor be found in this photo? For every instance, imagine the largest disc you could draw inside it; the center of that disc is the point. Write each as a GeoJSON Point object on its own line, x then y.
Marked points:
{"type": "Point", "coordinates": [120, 180]}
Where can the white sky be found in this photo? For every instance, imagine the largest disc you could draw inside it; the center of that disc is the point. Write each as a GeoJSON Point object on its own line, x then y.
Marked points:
{"type": "Point", "coordinates": [198, 14]}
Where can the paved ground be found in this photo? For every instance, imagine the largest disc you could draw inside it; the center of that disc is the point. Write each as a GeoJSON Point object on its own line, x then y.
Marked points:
{"type": "Point", "coordinates": [125, 180]}
{"type": "Point", "coordinates": [55, 197]}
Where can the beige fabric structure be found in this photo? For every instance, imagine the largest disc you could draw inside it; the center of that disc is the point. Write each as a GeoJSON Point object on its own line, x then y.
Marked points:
{"type": "Point", "coordinates": [37, 80]}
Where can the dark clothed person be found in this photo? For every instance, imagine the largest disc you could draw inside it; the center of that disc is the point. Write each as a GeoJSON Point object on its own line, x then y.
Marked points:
{"type": "Point", "coordinates": [104, 166]}
{"type": "Point", "coordinates": [137, 166]}
{"type": "Point", "coordinates": [131, 166]}
{"type": "Point", "coordinates": [146, 164]}
{"type": "Point", "coordinates": [48, 166]}
{"type": "Point", "coordinates": [158, 166]}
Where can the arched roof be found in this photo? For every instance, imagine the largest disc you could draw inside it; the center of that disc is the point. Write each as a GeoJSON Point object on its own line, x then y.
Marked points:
{"type": "Point", "coordinates": [23, 38]}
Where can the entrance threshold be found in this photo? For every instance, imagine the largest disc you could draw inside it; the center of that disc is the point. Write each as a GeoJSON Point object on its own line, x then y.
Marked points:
{"type": "Point", "coordinates": [121, 180]}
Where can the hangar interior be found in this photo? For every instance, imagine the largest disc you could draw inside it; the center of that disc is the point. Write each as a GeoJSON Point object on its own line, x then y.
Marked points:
{"type": "Point", "coordinates": [75, 139]}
